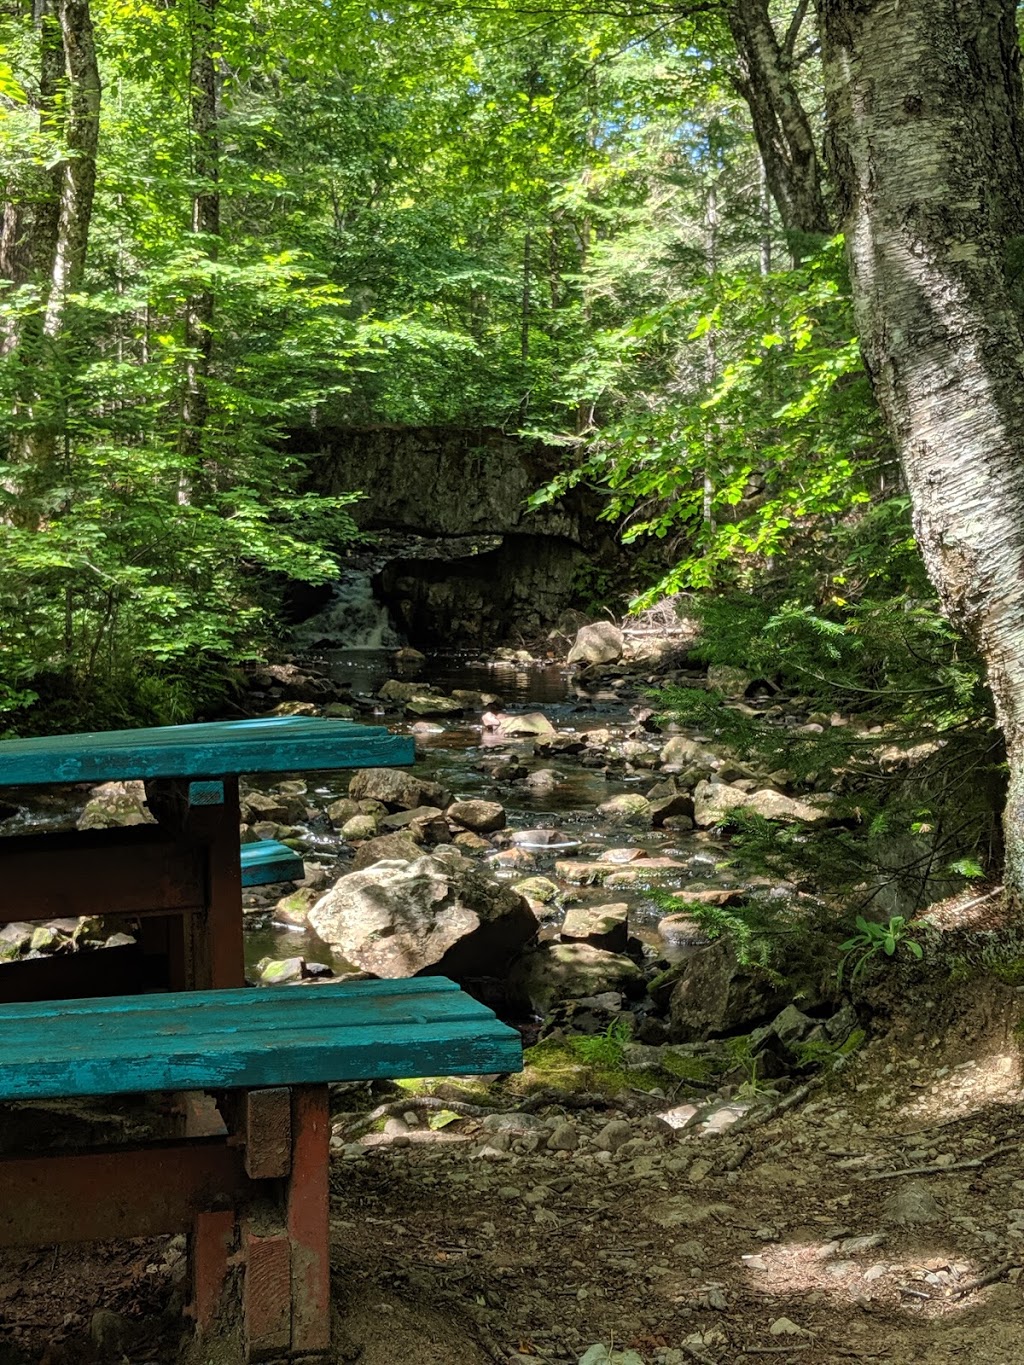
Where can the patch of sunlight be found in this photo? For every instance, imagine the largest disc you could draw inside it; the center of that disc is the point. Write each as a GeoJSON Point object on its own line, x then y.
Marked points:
{"type": "Point", "coordinates": [995, 1079]}
{"type": "Point", "coordinates": [857, 1270]}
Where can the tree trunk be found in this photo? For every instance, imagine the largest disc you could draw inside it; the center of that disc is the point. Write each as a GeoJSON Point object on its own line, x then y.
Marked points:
{"type": "Point", "coordinates": [781, 125]}
{"type": "Point", "coordinates": [31, 211]}
{"type": "Point", "coordinates": [78, 167]}
{"type": "Point", "coordinates": [926, 137]}
{"type": "Point", "coordinates": [195, 403]}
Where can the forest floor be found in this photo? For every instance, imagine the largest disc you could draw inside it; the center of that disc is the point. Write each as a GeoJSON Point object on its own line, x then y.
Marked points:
{"type": "Point", "coordinates": [881, 1220]}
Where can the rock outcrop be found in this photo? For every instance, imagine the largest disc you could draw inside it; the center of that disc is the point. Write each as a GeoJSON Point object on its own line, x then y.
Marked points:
{"type": "Point", "coordinates": [436, 914]}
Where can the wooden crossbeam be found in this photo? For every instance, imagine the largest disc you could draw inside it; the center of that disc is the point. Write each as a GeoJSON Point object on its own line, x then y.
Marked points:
{"type": "Point", "coordinates": [126, 1192]}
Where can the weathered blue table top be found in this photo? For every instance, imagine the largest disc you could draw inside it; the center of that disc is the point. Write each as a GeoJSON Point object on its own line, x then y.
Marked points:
{"type": "Point", "coordinates": [241, 1039]}
{"type": "Point", "coordinates": [275, 744]}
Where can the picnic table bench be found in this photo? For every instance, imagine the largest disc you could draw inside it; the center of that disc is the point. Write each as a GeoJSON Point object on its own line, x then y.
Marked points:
{"type": "Point", "coordinates": [182, 878]}
{"type": "Point", "coordinates": [252, 1190]}
{"type": "Point", "coordinates": [248, 1178]}
{"type": "Point", "coordinates": [267, 861]}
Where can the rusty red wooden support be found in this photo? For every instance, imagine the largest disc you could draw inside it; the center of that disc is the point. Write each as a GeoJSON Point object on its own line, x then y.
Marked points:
{"type": "Point", "coordinates": [267, 1305]}
{"type": "Point", "coordinates": [209, 1251]}
{"type": "Point", "coordinates": [266, 1121]}
{"type": "Point", "coordinates": [125, 1192]}
{"type": "Point", "coordinates": [308, 1214]}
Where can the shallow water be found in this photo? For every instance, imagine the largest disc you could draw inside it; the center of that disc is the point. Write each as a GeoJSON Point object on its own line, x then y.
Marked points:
{"type": "Point", "coordinates": [450, 755]}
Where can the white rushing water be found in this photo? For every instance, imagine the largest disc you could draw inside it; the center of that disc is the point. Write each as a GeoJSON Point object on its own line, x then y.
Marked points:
{"type": "Point", "coordinates": [353, 619]}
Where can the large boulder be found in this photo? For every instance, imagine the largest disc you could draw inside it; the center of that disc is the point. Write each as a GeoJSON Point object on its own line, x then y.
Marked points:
{"type": "Point", "coordinates": [571, 971]}
{"type": "Point", "coordinates": [714, 801]}
{"type": "Point", "coordinates": [430, 915]}
{"type": "Point", "coordinates": [600, 643]}
{"type": "Point", "coordinates": [716, 993]}
{"type": "Point", "coordinates": [396, 789]}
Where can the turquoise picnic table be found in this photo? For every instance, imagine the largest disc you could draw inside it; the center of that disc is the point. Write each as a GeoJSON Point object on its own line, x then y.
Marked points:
{"type": "Point", "coordinates": [181, 878]}
{"type": "Point", "coordinates": [230, 1135]}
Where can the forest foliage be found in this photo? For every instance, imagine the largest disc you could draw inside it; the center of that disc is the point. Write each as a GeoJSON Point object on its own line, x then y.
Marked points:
{"type": "Point", "coordinates": [557, 220]}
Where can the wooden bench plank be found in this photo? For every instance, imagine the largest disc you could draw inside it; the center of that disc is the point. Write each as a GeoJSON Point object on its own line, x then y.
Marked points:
{"type": "Point", "coordinates": [221, 1040]}
{"type": "Point", "coordinates": [211, 749]}
{"type": "Point", "coordinates": [269, 861]}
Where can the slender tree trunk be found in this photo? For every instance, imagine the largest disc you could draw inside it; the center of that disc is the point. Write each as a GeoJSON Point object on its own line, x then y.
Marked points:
{"type": "Point", "coordinates": [30, 214]}
{"type": "Point", "coordinates": [195, 403]}
{"type": "Point", "coordinates": [781, 126]}
{"type": "Point", "coordinates": [78, 168]}
{"type": "Point", "coordinates": [926, 137]}
{"type": "Point", "coordinates": [711, 224]}
{"type": "Point", "coordinates": [46, 240]}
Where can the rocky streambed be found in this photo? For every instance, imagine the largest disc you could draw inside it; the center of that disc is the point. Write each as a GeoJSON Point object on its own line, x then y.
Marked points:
{"type": "Point", "coordinates": [557, 849]}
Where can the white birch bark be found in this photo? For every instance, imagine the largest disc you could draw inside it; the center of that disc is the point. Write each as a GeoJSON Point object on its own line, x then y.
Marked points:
{"type": "Point", "coordinates": [927, 143]}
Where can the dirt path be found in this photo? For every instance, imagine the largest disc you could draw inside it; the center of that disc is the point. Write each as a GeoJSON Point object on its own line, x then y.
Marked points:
{"type": "Point", "coordinates": [789, 1242]}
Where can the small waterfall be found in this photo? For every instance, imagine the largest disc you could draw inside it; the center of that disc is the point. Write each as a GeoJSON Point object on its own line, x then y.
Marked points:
{"type": "Point", "coordinates": [353, 619]}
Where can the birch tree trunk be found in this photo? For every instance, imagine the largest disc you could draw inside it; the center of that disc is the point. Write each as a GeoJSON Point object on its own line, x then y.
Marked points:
{"type": "Point", "coordinates": [926, 139]}
{"type": "Point", "coordinates": [782, 128]}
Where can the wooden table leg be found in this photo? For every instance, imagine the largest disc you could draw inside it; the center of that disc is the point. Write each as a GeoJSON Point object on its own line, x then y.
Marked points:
{"type": "Point", "coordinates": [211, 1244]}
{"type": "Point", "coordinates": [308, 1213]}
{"type": "Point", "coordinates": [225, 955]}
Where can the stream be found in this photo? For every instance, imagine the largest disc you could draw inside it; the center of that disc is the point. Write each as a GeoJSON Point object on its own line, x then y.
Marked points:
{"type": "Point", "coordinates": [449, 751]}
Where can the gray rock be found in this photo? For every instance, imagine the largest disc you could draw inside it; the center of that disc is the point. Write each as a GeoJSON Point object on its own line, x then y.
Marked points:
{"type": "Point", "coordinates": [682, 929]}
{"type": "Point", "coordinates": [114, 804]}
{"type": "Point", "coordinates": [680, 752]}
{"type": "Point", "coordinates": [613, 1135]}
{"type": "Point", "coordinates": [715, 993]}
{"type": "Point", "coordinates": [395, 689]}
{"type": "Point", "coordinates": [669, 802]}
{"type": "Point", "coordinates": [569, 971]}
{"type": "Point", "coordinates": [539, 889]}
{"type": "Point", "coordinates": [359, 827]}
{"type": "Point", "coordinates": [482, 817]}
{"type": "Point", "coordinates": [528, 724]}
{"type": "Point", "coordinates": [340, 812]}
{"type": "Point", "coordinates": [628, 809]}
{"type": "Point", "coordinates": [604, 926]}
{"type": "Point", "coordinates": [713, 803]}
{"type": "Point", "coordinates": [544, 780]}
{"type": "Point", "coordinates": [110, 1333]}
{"type": "Point", "coordinates": [915, 1204]}
{"type": "Point", "coordinates": [599, 643]}
{"type": "Point", "coordinates": [731, 682]}
{"type": "Point", "coordinates": [395, 789]}
{"type": "Point", "coordinates": [279, 971]}
{"type": "Point", "coordinates": [564, 1138]}
{"type": "Point", "coordinates": [386, 846]}
{"type": "Point", "coordinates": [432, 914]}
{"type": "Point", "coordinates": [294, 908]}
{"type": "Point", "coordinates": [422, 705]}
{"type": "Point", "coordinates": [606, 1355]}
{"type": "Point", "coordinates": [44, 939]}
{"type": "Point", "coordinates": [792, 1026]}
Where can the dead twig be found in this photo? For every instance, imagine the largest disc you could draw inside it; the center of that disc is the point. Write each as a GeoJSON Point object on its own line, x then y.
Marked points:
{"type": "Point", "coordinates": [993, 1276]}
{"type": "Point", "coordinates": [971, 1164]}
